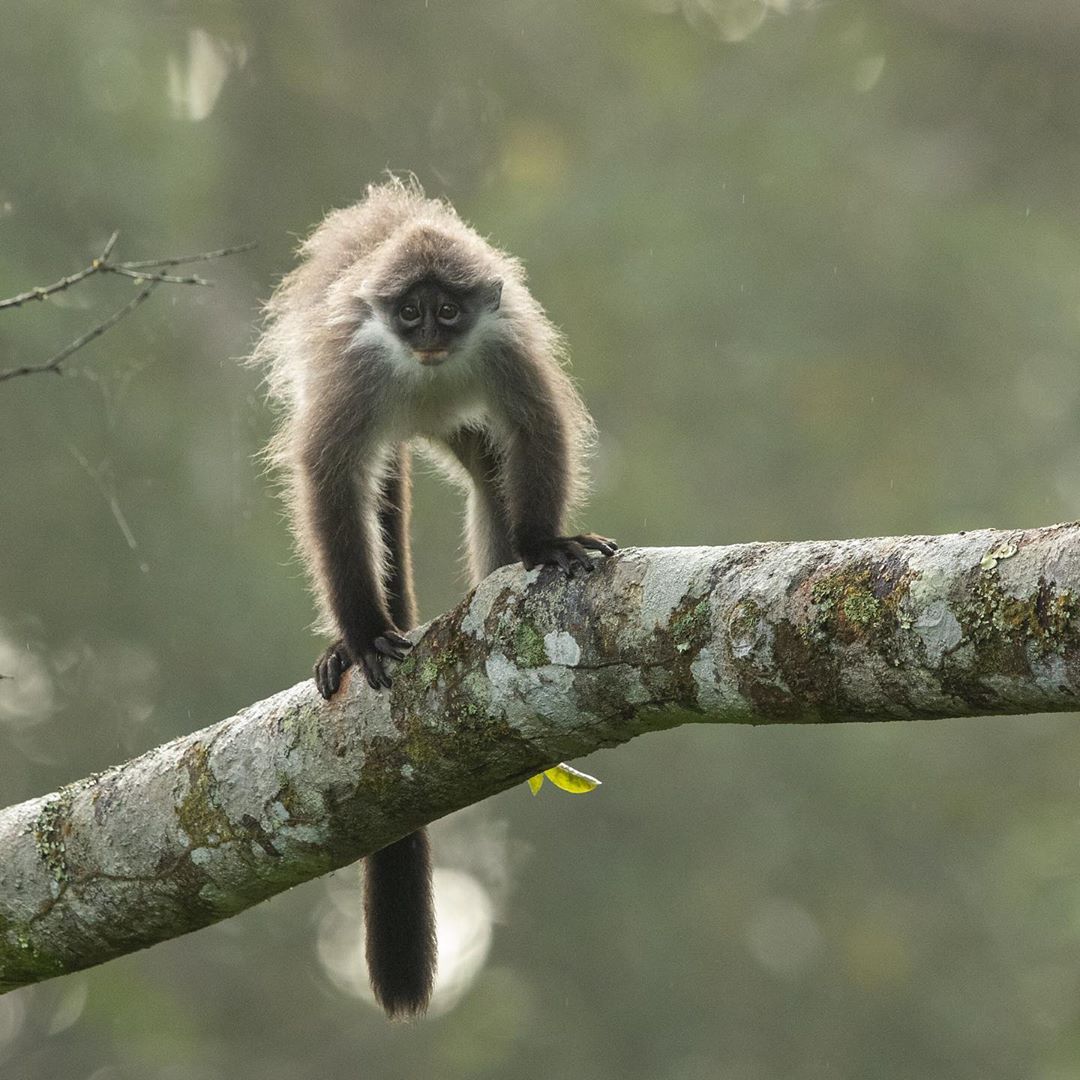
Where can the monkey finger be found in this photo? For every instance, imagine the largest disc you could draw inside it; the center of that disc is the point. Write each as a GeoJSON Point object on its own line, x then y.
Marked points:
{"type": "Point", "coordinates": [563, 561]}
{"type": "Point", "coordinates": [372, 671]}
{"type": "Point", "coordinates": [325, 685]}
{"type": "Point", "coordinates": [602, 544]}
{"type": "Point", "coordinates": [580, 557]}
{"type": "Point", "coordinates": [388, 647]}
{"type": "Point", "coordinates": [377, 674]}
{"type": "Point", "coordinates": [331, 672]}
{"type": "Point", "coordinates": [329, 668]}
{"type": "Point", "coordinates": [400, 641]}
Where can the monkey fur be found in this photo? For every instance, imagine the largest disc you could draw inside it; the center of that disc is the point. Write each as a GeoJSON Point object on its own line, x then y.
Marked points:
{"type": "Point", "coordinates": [402, 325]}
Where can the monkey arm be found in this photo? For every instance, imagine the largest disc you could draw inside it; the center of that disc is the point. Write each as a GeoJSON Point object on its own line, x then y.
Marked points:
{"type": "Point", "coordinates": [538, 477]}
{"type": "Point", "coordinates": [487, 527]}
{"type": "Point", "coordinates": [536, 482]}
{"type": "Point", "coordinates": [337, 517]}
{"type": "Point", "coordinates": [537, 522]}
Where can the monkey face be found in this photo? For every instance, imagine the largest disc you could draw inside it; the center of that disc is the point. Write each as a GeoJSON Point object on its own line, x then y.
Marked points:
{"type": "Point", "coordinates": [433, 319]}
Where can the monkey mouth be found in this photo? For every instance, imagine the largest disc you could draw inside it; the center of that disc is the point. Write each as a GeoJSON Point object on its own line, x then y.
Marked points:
{"type": "Point", "coordinates": [431, 357]}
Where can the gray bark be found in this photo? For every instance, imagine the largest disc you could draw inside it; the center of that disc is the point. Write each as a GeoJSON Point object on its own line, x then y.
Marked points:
{"type": "Point", "coordinates": [529, 670]}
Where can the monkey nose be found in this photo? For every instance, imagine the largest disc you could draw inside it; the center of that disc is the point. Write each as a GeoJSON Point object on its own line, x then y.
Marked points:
{"type": "Point", "coordinates": [431, 357]}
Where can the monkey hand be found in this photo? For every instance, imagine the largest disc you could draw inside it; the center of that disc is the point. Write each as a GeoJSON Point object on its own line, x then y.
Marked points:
{"type": "Point", "coordinates": [569, 553]}
{"type": "Point", "coordinates": [371, 657]}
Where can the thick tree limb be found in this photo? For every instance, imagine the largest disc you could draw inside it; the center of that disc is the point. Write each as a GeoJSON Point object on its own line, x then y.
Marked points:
{"type": "Point", "coordinates": [529, 670]}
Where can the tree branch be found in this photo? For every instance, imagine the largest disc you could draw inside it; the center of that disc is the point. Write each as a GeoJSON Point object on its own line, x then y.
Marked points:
{"type": "Point", "coordinates": [529, 670]}
{"type": "Point", "coordinates": [53, 364]}
{"type": "Point", "coordinates": [43, 292]}
{"type": "Point", "coordinates": [146, 272]}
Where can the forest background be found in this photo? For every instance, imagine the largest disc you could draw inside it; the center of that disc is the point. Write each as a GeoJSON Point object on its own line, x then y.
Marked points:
{"type": "Point", "coordinates": [819, 269]}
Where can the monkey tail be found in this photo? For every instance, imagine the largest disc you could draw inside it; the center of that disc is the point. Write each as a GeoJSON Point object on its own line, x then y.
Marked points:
{"type": "Point", "coordinates": [399, 913]}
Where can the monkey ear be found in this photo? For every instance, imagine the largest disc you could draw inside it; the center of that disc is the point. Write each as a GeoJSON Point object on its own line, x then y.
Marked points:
{"type": "Point", "coordinates": [490, 295]}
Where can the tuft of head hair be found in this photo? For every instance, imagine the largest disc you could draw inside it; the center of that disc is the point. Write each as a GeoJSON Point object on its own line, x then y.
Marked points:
{"type": "Point", "coordinates": [393, 238]}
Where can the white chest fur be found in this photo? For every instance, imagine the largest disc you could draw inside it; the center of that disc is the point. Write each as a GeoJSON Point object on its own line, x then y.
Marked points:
{"type": "Point", "coordinates": [427, 400]}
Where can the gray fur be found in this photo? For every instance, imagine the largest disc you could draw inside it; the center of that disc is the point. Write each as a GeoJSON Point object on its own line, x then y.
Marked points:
{"type": "Point", "coordinates": [349, 393]}
{"type": "Point", "coordinates": [358, 384]}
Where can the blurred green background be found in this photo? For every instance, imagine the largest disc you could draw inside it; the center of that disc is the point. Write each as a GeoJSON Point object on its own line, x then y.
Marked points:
{"type": "Point", "coordinates": [819, 267]}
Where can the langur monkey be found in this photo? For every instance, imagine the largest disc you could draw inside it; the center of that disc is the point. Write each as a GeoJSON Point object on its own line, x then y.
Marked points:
{"type": "Point", "coordinates": [401, 323]}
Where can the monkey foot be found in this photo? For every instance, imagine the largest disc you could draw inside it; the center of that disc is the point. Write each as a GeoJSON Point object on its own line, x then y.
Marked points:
{"type": "Point", "coordinates": [337, 659]}
{"type": "Point", "coordinates": [373, 660]}
{"type": "Point", "coordinates": [569, 553]}
{"type": "Point", "coordinates": [330, 667]}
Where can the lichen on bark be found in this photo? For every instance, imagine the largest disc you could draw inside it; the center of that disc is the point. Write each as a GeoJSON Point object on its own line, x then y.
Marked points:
{"type": "Point", "coordinates": [529, 670]}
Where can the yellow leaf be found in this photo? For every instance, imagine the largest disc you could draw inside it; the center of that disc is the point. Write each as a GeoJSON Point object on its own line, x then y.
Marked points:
{"type": "Point", "coordinates": [570, 779]}
{"type": "Point", "coordinates": [536, 783]}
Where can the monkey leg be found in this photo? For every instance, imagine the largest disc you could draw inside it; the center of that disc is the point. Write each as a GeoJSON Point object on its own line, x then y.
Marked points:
{"type": "Point", "coordinates": [395, 513]}
{"type": "Point", "coordinates": [487, 521]}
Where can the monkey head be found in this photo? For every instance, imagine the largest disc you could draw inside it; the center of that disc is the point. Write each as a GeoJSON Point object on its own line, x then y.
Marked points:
{"type": "Point", "coordinates": [434, 317]}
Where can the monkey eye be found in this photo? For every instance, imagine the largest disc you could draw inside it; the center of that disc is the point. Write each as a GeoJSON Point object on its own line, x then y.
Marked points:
{"type": "Point", "coordinates": [448, 313]}
{"type": "Point", "coordinates": [409, 313]}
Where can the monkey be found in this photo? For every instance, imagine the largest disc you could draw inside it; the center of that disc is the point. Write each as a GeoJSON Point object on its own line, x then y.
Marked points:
{"type": "Point", "coordinates": [402, 326]}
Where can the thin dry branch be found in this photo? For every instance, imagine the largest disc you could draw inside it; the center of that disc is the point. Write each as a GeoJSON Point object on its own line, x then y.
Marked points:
{"type": "Point", "coordinates": [145, 272]}
{"type": "Point", "coordinates": [54, 364]}
{"type": "Point", "coordinates": [183, 260]}
{"type": "Point", "coordinates": [42, 292]}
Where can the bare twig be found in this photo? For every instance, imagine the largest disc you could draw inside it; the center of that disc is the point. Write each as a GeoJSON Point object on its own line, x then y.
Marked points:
{"type": "Point", "coordinates": [108, 493]}
{"type": "Point", "coordinates": [53, 365]}
{"type": "Point", "coordinates": [41, 292]}
{"type": "Point", "coordinates": [183, 260]}
{"type": "Point", "coordinates": [146, 272]}
{"type": "Point", "coordinates": [150, 275]}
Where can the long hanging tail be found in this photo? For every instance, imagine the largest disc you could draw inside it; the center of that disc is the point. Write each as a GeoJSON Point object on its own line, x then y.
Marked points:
{"type": "Point", "coordinates": [399, 911]}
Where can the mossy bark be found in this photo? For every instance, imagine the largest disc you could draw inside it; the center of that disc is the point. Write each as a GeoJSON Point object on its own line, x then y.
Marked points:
{"type": "Point", "coordinates": [529, 670]}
